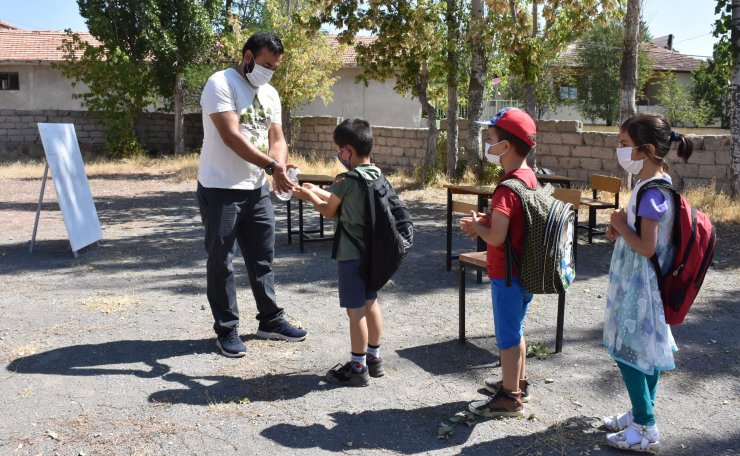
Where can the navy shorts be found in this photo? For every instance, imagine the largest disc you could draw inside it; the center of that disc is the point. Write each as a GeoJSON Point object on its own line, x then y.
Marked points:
{"type": "Point", "coordinates": [352, 289]}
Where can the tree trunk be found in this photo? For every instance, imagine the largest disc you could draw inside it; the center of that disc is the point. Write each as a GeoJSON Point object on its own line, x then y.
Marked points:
{"type": "Point", "coordinates": [628, 68]}
{"type": "Point", "coordinates": [179, 139]}
{"type": "Point", "coordinates": [478, 72]}
{"type": "Point", "coordinates": [287, 126]}
{"type": "Point", "coordinates": [451, 20]}
{"type": "Point", "coordinates": [530, 96]}
{"type": "Point", "coordinates": [422, 84]}
{"type": "Point", "coordinates": [735, 94]}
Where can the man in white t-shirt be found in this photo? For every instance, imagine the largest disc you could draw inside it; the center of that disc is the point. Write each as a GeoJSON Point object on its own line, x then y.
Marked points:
{"type": "Point", "coordinates": [242, 142]}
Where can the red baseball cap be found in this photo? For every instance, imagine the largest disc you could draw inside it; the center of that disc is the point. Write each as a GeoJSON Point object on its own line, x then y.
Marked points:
{"type": "Point", "coordinates": [516, 122]}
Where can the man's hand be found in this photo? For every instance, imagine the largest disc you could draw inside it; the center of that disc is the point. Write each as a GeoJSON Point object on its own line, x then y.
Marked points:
{"type": "Point", "coordinates": [280, 181]}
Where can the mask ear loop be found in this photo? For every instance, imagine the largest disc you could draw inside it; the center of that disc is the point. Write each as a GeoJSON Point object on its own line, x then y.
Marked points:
{"type": "Point", "coordinates": [653, 157]}
{"type": "Point", "coordinates": [246, 65]}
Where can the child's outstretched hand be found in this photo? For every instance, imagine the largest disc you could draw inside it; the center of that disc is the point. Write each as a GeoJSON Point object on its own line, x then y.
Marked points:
{"type": "Point", "coordinates": [302, 193]}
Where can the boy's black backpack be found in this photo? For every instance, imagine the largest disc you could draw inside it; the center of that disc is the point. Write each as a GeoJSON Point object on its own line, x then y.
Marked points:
{"type": "Point", "coordinates": [389, 234]}
{"type": "Point", "coordinates": [694, 239]}
{"type": "Point", "coordinates": [547, 264]}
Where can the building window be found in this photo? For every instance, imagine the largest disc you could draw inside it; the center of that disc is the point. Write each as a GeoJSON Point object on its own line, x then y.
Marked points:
{"type": "Point", "coordinates": [9, 81]}
{"type": "Point", "coordinates": [568, 93]}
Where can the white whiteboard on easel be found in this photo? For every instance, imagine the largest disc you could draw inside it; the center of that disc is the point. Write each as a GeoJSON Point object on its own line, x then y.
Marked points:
{"type": "Point", "coordinates": [70, 181]}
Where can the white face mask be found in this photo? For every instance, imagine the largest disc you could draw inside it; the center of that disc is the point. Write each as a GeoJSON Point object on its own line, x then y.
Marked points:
{"type": "Point", "coordinates": [259, 75]}
{"type": "Point", "coordinates": [624, 156]}
{"type": "Point", "coordinates": [495, 159]}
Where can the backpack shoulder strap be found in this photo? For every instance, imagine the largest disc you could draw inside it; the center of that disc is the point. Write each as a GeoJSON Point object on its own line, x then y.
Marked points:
{"type": "Point", "coordinates": [658, 183]}
{"type": "Point", "coordinates": [339, 228]}
{"type": "Point", "coordinates": [517, 186]}
{"type": "Point", "coordinates": [664, 184]}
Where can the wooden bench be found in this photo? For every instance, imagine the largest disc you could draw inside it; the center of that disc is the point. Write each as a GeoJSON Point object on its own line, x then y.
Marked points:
{"type": "Point", "coordinates": [477, 262]}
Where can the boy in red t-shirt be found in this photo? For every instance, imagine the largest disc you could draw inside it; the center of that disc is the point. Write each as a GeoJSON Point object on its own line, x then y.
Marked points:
{"type": "Point", "coordinates": [511, 135]}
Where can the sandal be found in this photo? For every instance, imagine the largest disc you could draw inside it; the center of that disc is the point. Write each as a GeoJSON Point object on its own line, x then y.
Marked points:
{"type": "Point", "coordinates": [616, 423]}
{"type": "Point", "coordinates": [649, 439]}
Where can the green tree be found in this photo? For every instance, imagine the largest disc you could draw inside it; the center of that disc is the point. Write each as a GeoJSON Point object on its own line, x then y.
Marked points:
{"type": "Point", "coordinates": [308, 65]}
{"type": "Point", "coordinates": [532, 33]}
{"type": "Point", "coordinates": [598, 76]}
{"type": "Point", "coordinates": [115, 72]}
{"type": "Point", "coordinates": [180, 33]}
{"type": "Point", "coordinates": [310, 61]}
{"type": "Point", "coordinates": [711, 82]}
{"type": "Point", "coordinates": [678, 107]}
{"type": "Point", "coordinates": [149, 42]}
{"type": "Point", "coordinates": [407, 47]}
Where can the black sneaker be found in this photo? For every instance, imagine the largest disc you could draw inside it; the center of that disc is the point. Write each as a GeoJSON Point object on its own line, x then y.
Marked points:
{"type": "Point", "coordinates": [375, 366]}
{"type": "Point", "coordinates": [282, 331]}
{"type": "Point", "coordinates": [494, 385]}
{"type": "Point", "coordinates": [346, 375]}
{"type": "Point", "coordinates": [231, 345]}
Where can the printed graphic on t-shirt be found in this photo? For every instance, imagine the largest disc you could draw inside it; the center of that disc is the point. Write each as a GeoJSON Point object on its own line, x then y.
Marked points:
{"type": "Point", "coordinates": [254, 123]}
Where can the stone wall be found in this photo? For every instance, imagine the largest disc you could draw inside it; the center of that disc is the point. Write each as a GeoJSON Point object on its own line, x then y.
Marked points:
{"type": "Point", "coordinates": [564, 148]}
{"type": "Point", "coordinates": [20, 140]}
{"type": "Point", "coordinates": [393, 148]}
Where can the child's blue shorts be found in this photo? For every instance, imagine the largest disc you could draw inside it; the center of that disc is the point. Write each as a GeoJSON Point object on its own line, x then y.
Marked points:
{"type": "Point", "coordinates": [510, 306]}
{"type": "Point", "coordinates": [352, 289]}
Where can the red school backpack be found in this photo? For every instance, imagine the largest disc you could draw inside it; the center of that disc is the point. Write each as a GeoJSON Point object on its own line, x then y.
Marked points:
{"type": "Point", "coordinates": [695, 240]}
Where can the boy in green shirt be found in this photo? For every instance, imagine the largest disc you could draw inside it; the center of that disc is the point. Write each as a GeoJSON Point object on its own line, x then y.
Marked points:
{"type": "Point", "coordinates": [347, 198]}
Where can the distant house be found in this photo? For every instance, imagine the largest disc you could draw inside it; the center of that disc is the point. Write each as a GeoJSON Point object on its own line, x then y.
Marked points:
{"type": "Point", "coordinates": [377, 102]}
{"type": "Point", "coordinates": [28, 82]}
{"type": "Point", "coordinates": [665, 59]}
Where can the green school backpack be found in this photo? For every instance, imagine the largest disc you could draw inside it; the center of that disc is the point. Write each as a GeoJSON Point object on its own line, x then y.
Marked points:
{"type": "Point", "coordinates": [547, 263]}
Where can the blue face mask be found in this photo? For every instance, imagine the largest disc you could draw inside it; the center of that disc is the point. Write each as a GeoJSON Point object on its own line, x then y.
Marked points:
{"type": "Point", "coordinates": [344, 163]}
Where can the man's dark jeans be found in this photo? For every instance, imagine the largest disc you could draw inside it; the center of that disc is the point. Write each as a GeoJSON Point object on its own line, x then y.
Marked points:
{"type": "Point", "coordinates": [247, 217]}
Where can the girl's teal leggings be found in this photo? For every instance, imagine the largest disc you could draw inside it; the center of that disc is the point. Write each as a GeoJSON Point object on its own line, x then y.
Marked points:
{"type": "Point", "coordinates": [641, 389]}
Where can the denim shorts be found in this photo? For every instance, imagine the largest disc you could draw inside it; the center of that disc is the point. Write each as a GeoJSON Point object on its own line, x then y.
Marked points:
{"type": "Point", "coordinates": [352, 289]}
{"type": "Point", "coordinates": [510, 306]}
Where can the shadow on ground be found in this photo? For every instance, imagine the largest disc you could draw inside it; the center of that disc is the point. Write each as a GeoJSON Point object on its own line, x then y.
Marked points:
{"type": "Point", "coordinates": [111, 358]}
{"type": "Point", "coordinates": [403, 431]}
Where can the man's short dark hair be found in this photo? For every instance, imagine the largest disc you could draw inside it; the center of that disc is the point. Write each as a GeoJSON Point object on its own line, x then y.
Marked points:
{"type": "Point", "coordinates": [522, 149]}
{"type": "Point", "coordinates": [263, 40]}
{"type": "Point", "coordinates": [357, 133]}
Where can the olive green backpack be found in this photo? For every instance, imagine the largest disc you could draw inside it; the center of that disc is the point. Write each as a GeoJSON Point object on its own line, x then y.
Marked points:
{"type": "Point", "coordinates": [547, 263]}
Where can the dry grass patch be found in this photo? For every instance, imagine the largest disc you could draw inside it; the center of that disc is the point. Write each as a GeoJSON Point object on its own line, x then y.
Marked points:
{"type": "Point", "coordinates": [720, 207]}
{"type": "Point", "coordinates": [110, 303]}
{"type": "Point", "coordinates": [180, 166]}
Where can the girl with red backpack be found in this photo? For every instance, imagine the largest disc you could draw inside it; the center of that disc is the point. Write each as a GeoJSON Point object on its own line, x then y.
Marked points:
{"type": "Point", "coordinates": [635, 330]}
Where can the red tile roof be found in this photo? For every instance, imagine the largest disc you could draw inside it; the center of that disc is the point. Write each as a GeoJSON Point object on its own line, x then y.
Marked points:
{"type": "Point", "coordinates": [34, 45]}
{"type": "Point", "coordinates": [349, 58]}
{"type": "Point", "coordinates": [7, 26]}
{"type": "Point", "coordinates": [663, 59]}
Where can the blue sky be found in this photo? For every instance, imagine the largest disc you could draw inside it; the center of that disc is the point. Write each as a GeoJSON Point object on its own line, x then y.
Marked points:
{"type": "Point", "coordinates": [690, 21]}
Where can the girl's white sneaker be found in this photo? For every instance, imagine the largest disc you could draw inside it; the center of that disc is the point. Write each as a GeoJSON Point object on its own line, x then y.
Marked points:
{"type": "Point", "coordinates": [636, 438]}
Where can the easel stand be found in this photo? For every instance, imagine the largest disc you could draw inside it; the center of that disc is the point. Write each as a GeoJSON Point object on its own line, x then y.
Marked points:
{"type": "Point", "coordinates": [32, 244]}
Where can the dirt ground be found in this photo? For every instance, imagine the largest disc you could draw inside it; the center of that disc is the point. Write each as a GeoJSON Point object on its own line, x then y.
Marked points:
{"type": "Point", "coordinates": [113, 352]}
